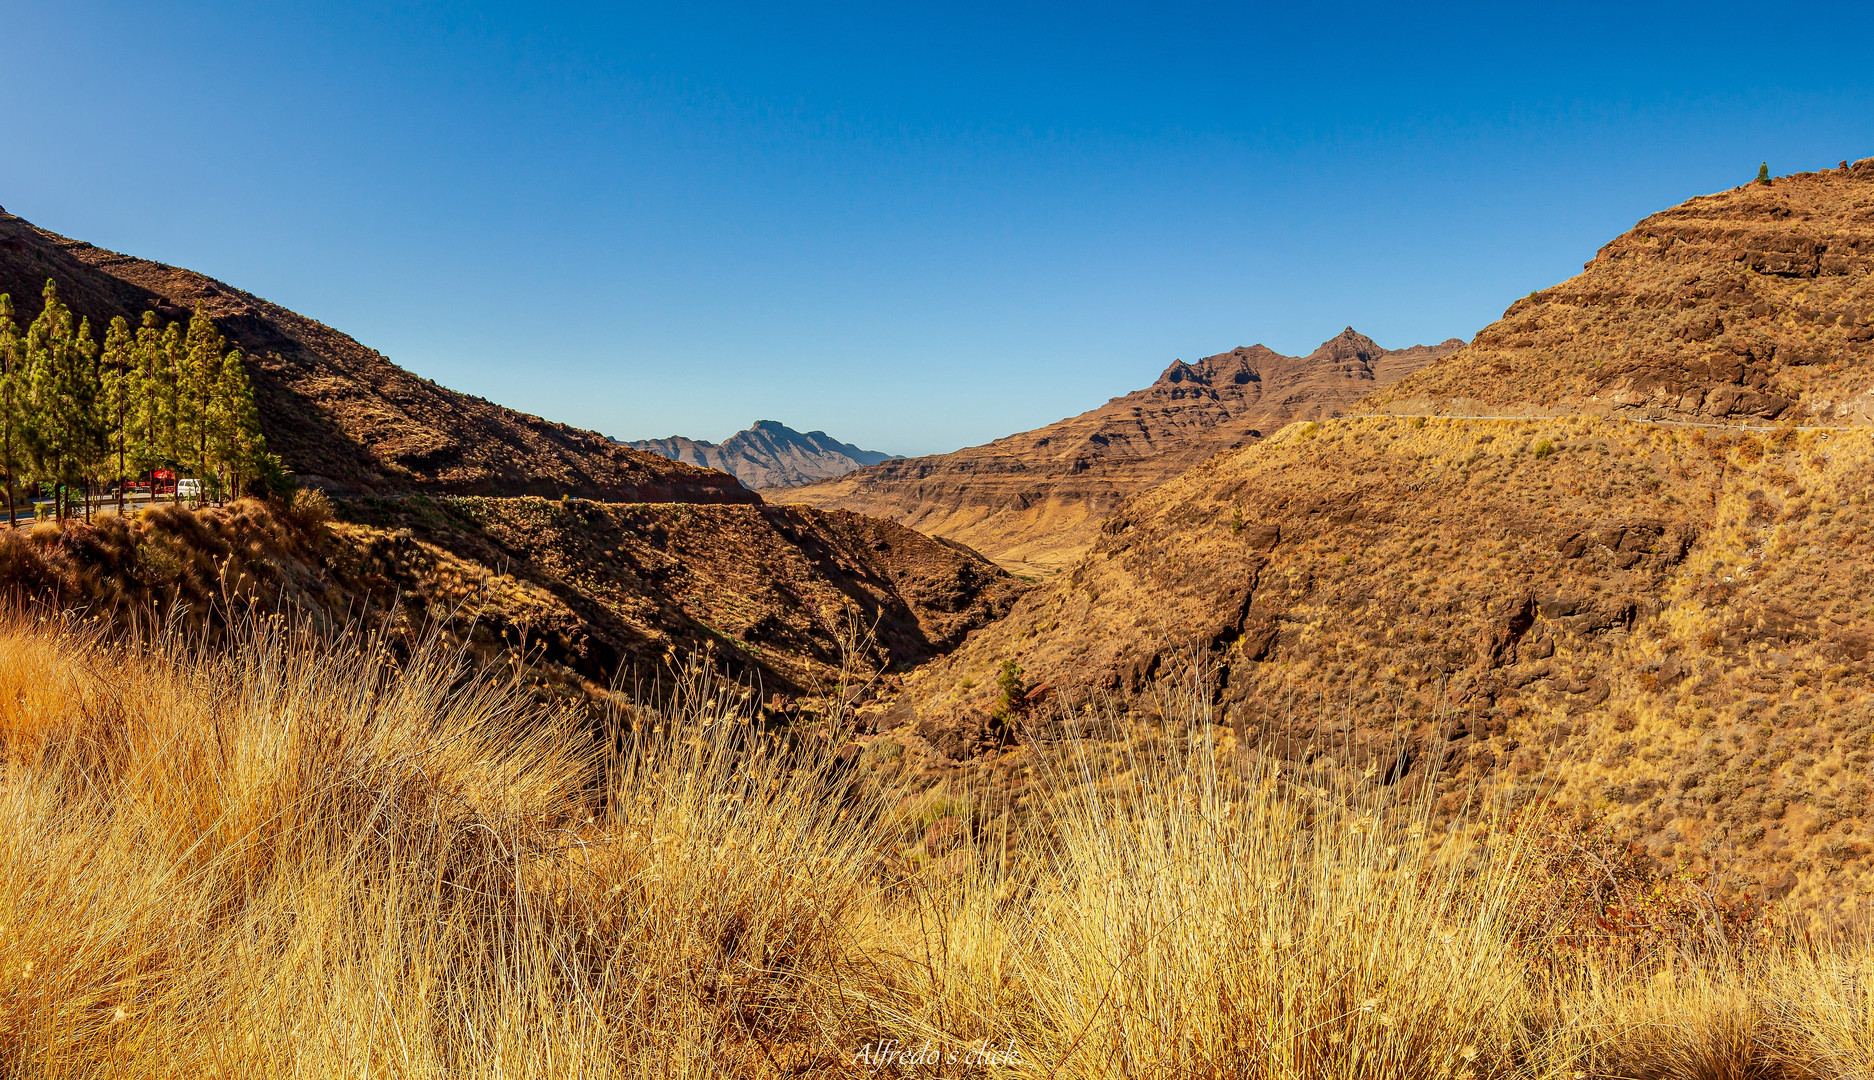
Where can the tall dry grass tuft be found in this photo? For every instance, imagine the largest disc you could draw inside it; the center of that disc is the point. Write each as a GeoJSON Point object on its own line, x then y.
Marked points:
{"type": "Point", "coordinates": [300, 858]}
{"type": "Point", "coordinates": [295, 856]}
{"type": "Point", "coordinates": [1188, 913]}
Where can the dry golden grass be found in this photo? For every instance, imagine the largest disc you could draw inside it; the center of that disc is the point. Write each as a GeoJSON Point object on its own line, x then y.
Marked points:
{"type": "Point", "coordinates": [294, 857]}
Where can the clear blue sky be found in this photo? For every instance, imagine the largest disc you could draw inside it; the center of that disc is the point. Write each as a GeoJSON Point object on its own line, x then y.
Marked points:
{"type": "Point", "coordinates": [915, 227]}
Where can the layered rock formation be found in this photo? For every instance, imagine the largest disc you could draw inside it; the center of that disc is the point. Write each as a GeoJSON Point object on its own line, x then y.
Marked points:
{"type": "Point", "coordinates": [340, 415]}
{"type": "Point", "coordinates": [768, 455]}
{"type": "Point", "coordinates": [1033, 501]}
{"type": "Point", "coordinates": [1750, 305]}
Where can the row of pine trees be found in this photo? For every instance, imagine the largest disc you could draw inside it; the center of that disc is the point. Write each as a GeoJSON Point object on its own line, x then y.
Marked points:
{"type": "Point", "coordinates": [79, 415]}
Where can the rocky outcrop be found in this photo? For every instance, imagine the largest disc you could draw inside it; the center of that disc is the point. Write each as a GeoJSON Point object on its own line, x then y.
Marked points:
{"type": "Point", "coordinates": [768, 455]}
{"type": "Point", "coordinates": [341, 415]}
{"type": "Point", "coordinates": [1034, 501]}
{"type": "Point", "coordinates": [1753, 306]}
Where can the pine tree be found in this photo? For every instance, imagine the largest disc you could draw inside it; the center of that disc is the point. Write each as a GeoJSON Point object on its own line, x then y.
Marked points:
{"type": "Point", "coordinates": [81, 397]}
{"type": "Point", "coordinates": [200, 376]}
{"type": "Point", "coordinates": [48, 341]}
{"type": "Point", "coordinates": [118, 372]}
{"type": "Point", "coordinates": [239, 445]}
{"type": "Point", "coordinates": [11, 359]}
{"type": "Point", "coordinates": [146, 442]}
{"type": "Point", "coordinates": [173, 390]}
{"type": "Point", "coordinates": [1763, 174]}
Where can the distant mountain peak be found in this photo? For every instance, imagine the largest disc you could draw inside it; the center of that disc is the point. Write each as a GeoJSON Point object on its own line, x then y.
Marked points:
{"type": "Point", "coordinates": [1249, 365]}
{"type": "Point", "coordinates": [769, 454]}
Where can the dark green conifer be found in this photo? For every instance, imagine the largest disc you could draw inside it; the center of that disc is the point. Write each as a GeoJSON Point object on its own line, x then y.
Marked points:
{"type": "Point", "coordinates": [173, 390]}
{"type": "Point", "coordinates": [48, 344]}
{"type": "Point", "coordinates": [146, 441]}
{"type": "Point", "coordinates": [200, 376]}
{"type": "Point", "coordinates": [118, 371]}
{"type": "Point", "coordinates": [83, 423]}
{"type": "Point", "coordinates": [11, 355]}
{"type": "Point", "coordinates": [1763, 174]}
{"type": "Point", "coordinates": [239, 445]}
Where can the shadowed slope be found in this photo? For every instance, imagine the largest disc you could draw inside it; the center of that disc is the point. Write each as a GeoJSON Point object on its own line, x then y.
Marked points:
{"type": "Point", "coordinates": [574, 593]}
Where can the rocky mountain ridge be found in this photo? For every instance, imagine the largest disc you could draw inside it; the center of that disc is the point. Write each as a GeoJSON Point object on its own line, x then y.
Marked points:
{"type": "Point", "coordinates": [1033, 501]}
{"type": "Point", "coordinates": [1748, 305]}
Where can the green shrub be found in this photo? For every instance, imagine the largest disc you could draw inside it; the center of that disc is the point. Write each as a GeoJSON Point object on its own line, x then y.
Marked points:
{"type": "Point", "coordinates": [1010, 689]}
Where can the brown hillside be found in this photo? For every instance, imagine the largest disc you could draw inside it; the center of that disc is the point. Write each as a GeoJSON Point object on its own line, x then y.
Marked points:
{"type": "Point", "coordinates": [773, 591]}
{"type": "Point", "coordinates": [1751, 304]}
{"type": "Point", "coordinates": [1677, 623]}
{"type": "Point", "coordinates": [342, 416]}
{"type": "Point", "coordinates": [1033, 501]}
{"type": "Point", "coordinates": [583, 590]}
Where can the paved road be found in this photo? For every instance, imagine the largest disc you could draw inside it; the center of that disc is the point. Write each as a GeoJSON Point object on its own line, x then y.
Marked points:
{"type": "Point", "coordinates": [104, 504]}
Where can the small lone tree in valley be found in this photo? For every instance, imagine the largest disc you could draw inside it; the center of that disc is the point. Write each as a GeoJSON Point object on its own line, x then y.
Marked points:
{"type": "Point", "coordinates": [1011, 690]}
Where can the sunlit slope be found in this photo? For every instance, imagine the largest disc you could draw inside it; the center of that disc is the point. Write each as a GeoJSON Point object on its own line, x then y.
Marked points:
{"type": "Point", "coordinates": [1680, 619]}
{"type": "Point", "coordinates": [1748, 305]}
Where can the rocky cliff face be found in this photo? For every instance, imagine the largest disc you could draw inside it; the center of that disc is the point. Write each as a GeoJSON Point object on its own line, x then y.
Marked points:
{"type": "Point", "coordinates": [1033, 501]}
{"type": "Point", "coordinates": [341, 415]}
{"type": "Point", "coordinates": [768, 455]}
{"type": "Point", "coordinates": [1751, 305]}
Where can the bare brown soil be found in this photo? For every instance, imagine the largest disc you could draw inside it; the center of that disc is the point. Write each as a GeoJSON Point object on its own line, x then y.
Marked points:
{"type": "Point", "coordinates": [773, 594]}
{"type": "Point", "coordinates": [1673, 626]}
{"type": "Point", "coordinates": [1668, 621]}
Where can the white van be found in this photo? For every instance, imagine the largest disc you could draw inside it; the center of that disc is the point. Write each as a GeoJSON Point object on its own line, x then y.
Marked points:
{"type": "Point", "coordinates": [189, 489]}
